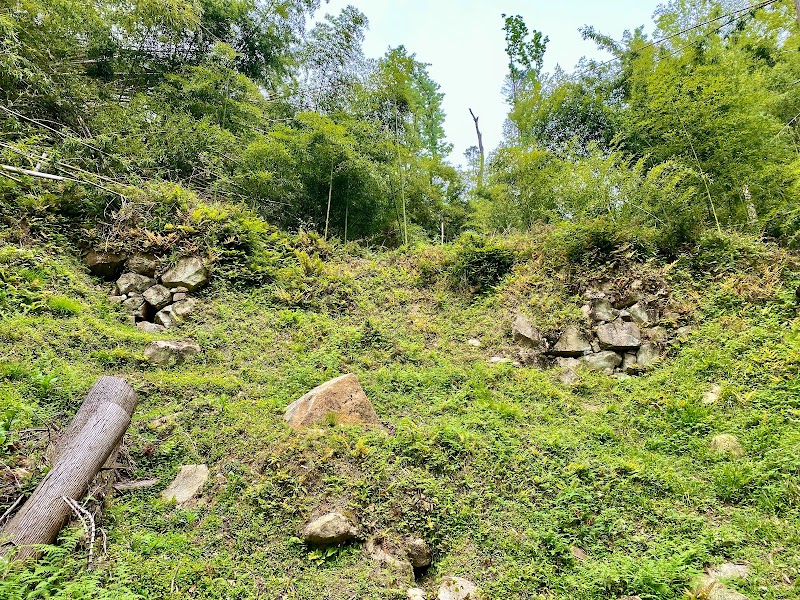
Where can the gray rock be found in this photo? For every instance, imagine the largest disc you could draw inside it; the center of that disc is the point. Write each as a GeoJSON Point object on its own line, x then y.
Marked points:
{"type": "Point", "coordinates": [712, 395]}
{"type": "Point", "coordinates": [727, 444]}
{"type": "Point", "coordinates": [499, 360]}
{"type": "Point", "coordinates": [329, 530]}
{"type": "Point", "coordinates": [166, 318]}
{"type": "Point", "coordinates": [158, 296]}
{"type": "Point", "coordinates": [143, 264]}
{"type": "Point", "coordinates": [190, 480]}
{"type": "Point", "coordinates": [525, 333]}
{"type": "Point", "coordinates": [419, 553]}
{"type": "Point", "coordinates": [710, 588]}
{"type": "Point", "coordinates": [620, 336]}
{"type": "Point", "coordinates": [474, 342]}
{"type": "Point", "coordinates": [625, 316]}
{"type": "Point", "coordinates": [629, 364]}
{"type": "Point", "coordinates": [605, 362]}
{"type": "Point", "coordinates": [134, 304]}
{"type": "Point", "coordinates": [133, 283]}
{"type": "Point", "coordinates": [685, 331]}
{"type": "Point", "coordinates": [342, 397]}
{"type": "Point", "coordinates": [415, 594]}
{"type": "Point", "coordinates": [393, 572]}
{"type": "Point", "coordinates": [179, 290]}
{"type": "Point", "coordinates": [602, 311]}
{"type": "Point", "coordinates": [189, 273]}
{"type": "Point", "coordinates": [179, 296]}
{"type": "Point", "coordinates": [456, 588]}
{"type": "Point", "coordinates": [659, 335]}
{"type": "Point", "coordinates": [175, 314]}
{"type": "Point", "coordinates": [165, 353]}
{"type": "Point", "coordinates": [649, 354]}
{"type": "Point", "coordinates": [572, 343]}
{"type": "Point", "coordinates": [104, 264]}
{"type": "Point", "coordinates": [149, 327]}
{"type": "Point", "coordinates": [641, 314]}
{"type": "Point", "coordinates": [118, 299]}
{"type": "Point", "coordinates": [729, 571]}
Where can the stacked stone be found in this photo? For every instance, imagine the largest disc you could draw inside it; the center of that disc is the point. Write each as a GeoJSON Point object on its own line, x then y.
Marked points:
{"type": "Point", "coordinates": [154, 303]}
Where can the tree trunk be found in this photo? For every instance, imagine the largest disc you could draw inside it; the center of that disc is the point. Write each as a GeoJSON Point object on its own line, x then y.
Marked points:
{"type": "Point", "coordinates": [330, 196]}
{"type": "Point", "coordinates": [91, 439]}
{"type": "Point", "coordinates": [797, 8]}
{"type": "Point", "coordinates": [482, 168]}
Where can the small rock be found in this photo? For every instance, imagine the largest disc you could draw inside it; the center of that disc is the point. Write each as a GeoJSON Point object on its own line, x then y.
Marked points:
{"type": "Point", "coordinates": [118, 299]}
{"type": "Point", "coordinates": [104, 264]}
{"type": "Point", "coordinates": [671, 317]}
{"type": "Point", "coordinates": [133, 283]}
{"type": "Point", "coordinates": [569, 370]}
{"type": "Point", "coordinates": [685, 331]}
{"type": "Point", "coordinates": [329, 530]}
{"type": "Point", "coordinates": [586, 311]}
{"type": "Point", "coordinates": [572, 343]}
{"type": "Point", "coordinates": [649, 354]}
{"type": "Point", "coordinates": [625, 316]}
{"type": "Point", "coordinates": [135, 305]}
{"type": "Point", "coordinates": [525, 333]}
{"type": "Point", "coordinates": [394, 572]}
{"type": "Point", "coordinates": [579, 553]}
{"type": "Point", "coordinates": [729, 571]}
{"type": "Point", "coordinates": [157, 296]}
{"type": "Point", "coordinates": [619, 335]}
{"type": "Point", "coordinates": [499, 360]}
{"type": "Point", "coordinates": [630, 296]}
{"type": "Point", "coordinates": [602, 311]}
{"type": "Point", "coordinates": [166, 318]}
{"type": "Point", "coordinates": [190, 480]}
{"type": "Point", "coordinates": [419, 553]}
{"type": "Point", "coordinates": [164, 353]}
{"type": "Point", "coordinates": [711, 589]}
{"type": "Point", "coordinates": [184, 308]}
{"type": "Point", "coordinates": [149, 327]}
{"type": "Point", "coordinates": [143, 264]}
{"type": "Point", "coordinates": [189, 273]}
{"type": "Point", "coordinates": [415, 594]}
{"type": "Point", "coordinates": [657, 335]}
{"type": "Point", "coordinates": [641, 314]}
{"type": "Point", "coordinates": [712, 395]}
{"type": "Point", "coordinates": [629, 364]}
{"type": "Point", "coordinates": [179, 296]}
{"type": "Point", "coordinates": [456, 588]}
{"type": "Point", "coordinates": [727, 444]}
{"type": "Point", "coordinates": [179, 290]}
{"type": "Point", "coordinates": [342, 397]}
{"type": "Point", "coordinates": [605, 362]}
{"type": "Point", "coordinates": [474, 342]}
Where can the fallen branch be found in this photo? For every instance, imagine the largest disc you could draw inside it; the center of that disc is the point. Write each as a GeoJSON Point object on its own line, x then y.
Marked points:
{"type": "Point", "coordinates": [87, 444]}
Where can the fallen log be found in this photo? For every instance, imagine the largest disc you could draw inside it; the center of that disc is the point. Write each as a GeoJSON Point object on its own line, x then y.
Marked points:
{"type": "Point", "coordinates": [91, 439]}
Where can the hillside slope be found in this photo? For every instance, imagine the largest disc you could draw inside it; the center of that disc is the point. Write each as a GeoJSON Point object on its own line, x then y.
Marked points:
{"type": "Point", "coordinates": [528, 487]}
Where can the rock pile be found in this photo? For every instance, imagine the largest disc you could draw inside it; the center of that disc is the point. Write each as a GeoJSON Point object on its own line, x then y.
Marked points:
{"type": "Point", "coordinates": [155, 303]}
{"type": "Point", "coordinates": [621, 333]}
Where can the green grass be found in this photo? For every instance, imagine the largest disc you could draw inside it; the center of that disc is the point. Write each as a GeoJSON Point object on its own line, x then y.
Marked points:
{"type": "Point", "coordinates": [501, 469]}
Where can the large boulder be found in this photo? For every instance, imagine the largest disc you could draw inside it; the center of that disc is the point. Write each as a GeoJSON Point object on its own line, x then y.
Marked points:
{"type": "Point", "coordinates": [143, 264]}
{"type": "Point", "coordinates": [620, 336]}
{"type": "Point", "coordinates": [456, 588]}
{"type": "Point", "coordinates": [605, 362]}
{"type": "Point", "coordinates": [572, 344]}
{"type": "Point", "coordinates": [158, 296]}
{"type": "Point", "coordinates": [189, 272]}
{"type": "Point", "coordinates": [133, 283]}
{"type": "Point", "coordinates": [149, 327]}
{"type": "Point", "coordinates": [104, 264]}
{"type": "Point", "coordinates": [330, 530]}
{"type": "Point", "coordinates": [523, 332]}
{"type": "Point", "coordinates": [166, 353]}
{"type": "Point", "coordinates": [190, 480]}
{"type": "Point", "coordinates": [342, 398]}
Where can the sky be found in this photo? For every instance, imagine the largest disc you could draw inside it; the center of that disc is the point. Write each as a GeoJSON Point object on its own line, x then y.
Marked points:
{"type": "Point", "coordinates": [464, 43]}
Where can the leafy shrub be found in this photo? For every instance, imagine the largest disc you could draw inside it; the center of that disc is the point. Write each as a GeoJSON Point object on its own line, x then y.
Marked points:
{"type": "Point", "coordinates": [598, 242]}
{"type": "Point", "coordinates": [480, 264]}
{"type": "Point", "coordinates": [725, 252]}
{"type": "Point", "coordinates": [63, 307]}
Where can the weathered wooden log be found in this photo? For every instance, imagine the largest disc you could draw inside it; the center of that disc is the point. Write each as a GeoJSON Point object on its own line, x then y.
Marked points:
{"type": "Point", "coordinates": [91, 439]}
